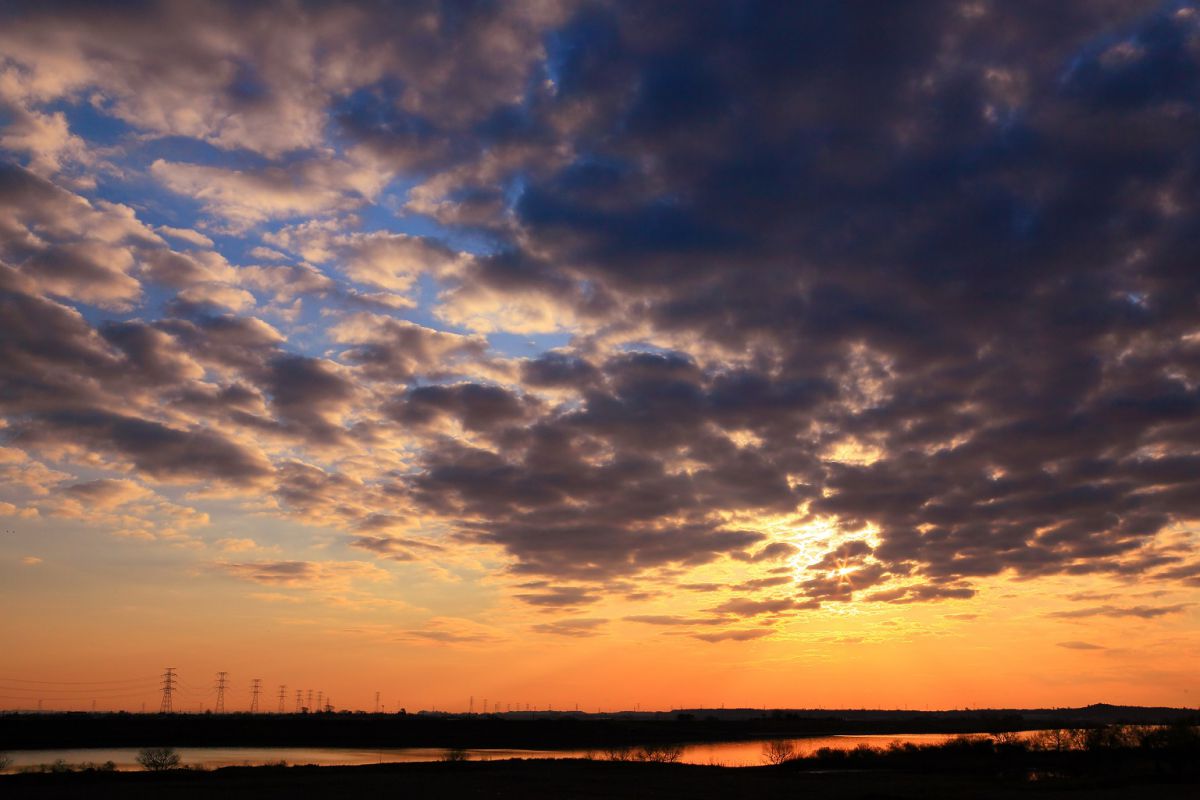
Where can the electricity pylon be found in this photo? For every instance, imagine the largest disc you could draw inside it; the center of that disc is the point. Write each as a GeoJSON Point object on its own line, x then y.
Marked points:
{"type": "Point", "coordinates": [221, 676]}
{"type": "Point", "coordinates": [168, 689]}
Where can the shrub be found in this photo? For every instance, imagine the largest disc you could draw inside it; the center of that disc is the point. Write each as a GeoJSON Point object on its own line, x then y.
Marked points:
{"type": "Point", "coordinates": [5, 761]}
{"type": "Point", "coordinates": [618, 753]}
{"type": "Point", "coordinates": [158, 758]}
{"type": "Point", "coordinates": [456, 754]}
{"type": "Point", "coordinates": [660, 753]}
{"type": "Point", "coordinates": [778, 751]}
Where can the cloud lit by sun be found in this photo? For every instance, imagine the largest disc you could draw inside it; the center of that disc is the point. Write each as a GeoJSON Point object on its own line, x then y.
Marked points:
{"type": "Point", "coordinates": [558, 344]}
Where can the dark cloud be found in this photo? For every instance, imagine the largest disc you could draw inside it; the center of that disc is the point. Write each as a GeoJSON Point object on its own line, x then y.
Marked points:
{"type": "Point", "coordinates": [922, 593]}
{"type": "Point", "coordinates": [558, 369]}
{"type": "Point", "coordinates": [157, 450]}
{"type": "Point", "coordinates": [1080, 646]}
{"type": "Point", "coordinates": [478, 408]}
{"type": "Point", "coordinates": [923, 271]}
{"type": "Point", "coordinates": [670, 620]}
{"type": "Point", "coordinates": [744, 607]}
{"type": "Point", "coordinates": [571, 626]}
{"type": "Point", "coordinates": [558, 597]}
{"type": "Point", "coordinates": [396, 548]}
{"type": "Point", "coordinates": [761, 583]}
{"type": "Point", "coordinates": [734, 635]}
{"type": "Point", "coordinates": [1141, 612]}
{"type": "Point", "coordinates": [309, 574]}
{"type": "Point", "coordinates": [308, 395]}
{"type": "Point", "coordinates": [772, 552]}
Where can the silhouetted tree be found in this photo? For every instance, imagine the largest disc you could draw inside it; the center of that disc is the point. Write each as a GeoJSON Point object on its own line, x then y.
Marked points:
{"type": "Point", "coordinates": [158, 758]}
{"type": "Point", "coordinates": [660, 753]}
{"type": "Point", "coordinates": [778, 751]}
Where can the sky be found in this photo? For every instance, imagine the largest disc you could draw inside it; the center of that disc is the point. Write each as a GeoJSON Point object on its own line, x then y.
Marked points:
{"type": "Point", "coordinates": [824, 354]}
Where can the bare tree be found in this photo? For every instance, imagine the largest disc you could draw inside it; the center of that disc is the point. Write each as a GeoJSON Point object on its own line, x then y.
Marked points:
{"type": "Point", "coordinates": [158, 758]}
{"type": "Point", "coordinates": [618, 753]}
{"type": "Point", "coordinates": [660, 753]}
{"type": "Point", "coordinates": [778, 751]}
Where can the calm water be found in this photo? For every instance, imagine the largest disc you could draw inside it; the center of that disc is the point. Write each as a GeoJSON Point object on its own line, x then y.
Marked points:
{"type": "Point", "coordinates": [730, 754]}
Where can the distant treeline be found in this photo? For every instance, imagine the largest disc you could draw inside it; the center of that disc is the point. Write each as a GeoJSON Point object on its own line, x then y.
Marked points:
{"type": "Point", "coordinates": [567, 731]}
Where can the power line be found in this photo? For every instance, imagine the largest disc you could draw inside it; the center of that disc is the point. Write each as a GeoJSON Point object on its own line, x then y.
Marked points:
{"type": "Point", "coordinates": [38, 690]}
{"type": "Point", "coordinates": [255, 688]}
{"type": "Point", "coordinates": [82, 683]}
{"type": "Point", "coordinates": [282, 694]}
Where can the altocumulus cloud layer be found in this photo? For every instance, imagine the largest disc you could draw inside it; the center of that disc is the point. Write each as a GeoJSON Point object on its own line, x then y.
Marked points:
{"type": "Point", "coordinates": [866, 300]}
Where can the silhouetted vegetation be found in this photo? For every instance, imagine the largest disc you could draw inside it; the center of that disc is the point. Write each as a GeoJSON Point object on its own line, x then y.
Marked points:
{"type": "Point", "coordinates": [456, 754]}
{"type": "Point", "coordinates": [654, 753]}
{"type": "Point", "coordinates": [61, 765]}
{"type": "Point", "coordinates": [1113, 750]}
{"type": "Point", "coordinates": [158, 758]}
{"type": "Point", "coordinates": [778, 751]}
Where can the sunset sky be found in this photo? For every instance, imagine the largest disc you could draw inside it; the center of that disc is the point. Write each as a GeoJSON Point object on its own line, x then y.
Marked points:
{"type": "Point", "coordinates": [838, 354]}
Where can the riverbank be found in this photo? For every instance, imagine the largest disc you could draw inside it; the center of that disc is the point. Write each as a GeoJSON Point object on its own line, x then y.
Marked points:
{"type": "Point", "coordinates": [582, 779]}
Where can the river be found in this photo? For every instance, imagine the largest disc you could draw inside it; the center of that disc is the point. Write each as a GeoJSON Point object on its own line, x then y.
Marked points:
{"type": "Point", "coordinates": [747, 753]}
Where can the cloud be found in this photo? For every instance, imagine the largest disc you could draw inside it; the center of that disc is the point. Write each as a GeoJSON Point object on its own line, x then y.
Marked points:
{"type": "Point", "coordinates": [261, 81]}
{"type": "Point", "coordinates": [744, 607]}
{"type": "Point", "coordinates": [672, 620]}
{"type": "Point", "coordinates": [571, 626]}
{"type": "Point", "coordinates": [391, 261]}
{"type": "Point", "coordinates": [69, 246]}
{"type": "Point", "coordinates": [605, 291]}
{"type": "Point", "coordinates": [396, 548]}
{"type": "Point", "coordinates": [232, 545]}
{"type": "Point", "coordinates": [159, 451]}
{"type": "Point", "coordinates": [187, 235]}
{"type": "Point", "coordinates": [1140, 612]}
{"type": "Point", "coordinates": [320, 574]}
{"type": "Point", "coordinates": [474, 406]}
{"type": "Point", "coordinates": [1081, 646]}
{"type": "Point", "coordinates": [559, 597]}
{"type": "Point", "coordinates": [453, 631]}
{"type": "Point", "coordinates": [106, 493]}
{"type": "Point", "coordinates": [735, 635]}
{"type": "Point", "coordinates": [248, 197]}
{"type": "Point", "coordinates": [391, 349]}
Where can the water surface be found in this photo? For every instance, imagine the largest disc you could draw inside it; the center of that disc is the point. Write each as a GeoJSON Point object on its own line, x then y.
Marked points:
{"type": "Point", "coordinates": [748, 753]}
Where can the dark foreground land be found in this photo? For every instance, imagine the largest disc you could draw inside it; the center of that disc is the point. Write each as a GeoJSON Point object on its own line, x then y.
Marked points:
{"type": "Point", "coordinates": [586, 779]}
{"type": "Point", "coordinates": [1160, 762]}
